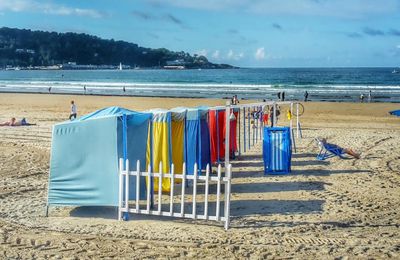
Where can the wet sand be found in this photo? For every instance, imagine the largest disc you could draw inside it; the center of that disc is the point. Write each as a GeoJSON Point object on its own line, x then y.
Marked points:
{"type": "Point", "coordinates": [323, 209]}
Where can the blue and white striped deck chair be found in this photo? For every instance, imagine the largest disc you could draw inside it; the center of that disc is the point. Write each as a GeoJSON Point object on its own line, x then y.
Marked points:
{"type": "Point", "coordinates": [328, 150]}
{"type": "Point", "coordinates": [277, 150]}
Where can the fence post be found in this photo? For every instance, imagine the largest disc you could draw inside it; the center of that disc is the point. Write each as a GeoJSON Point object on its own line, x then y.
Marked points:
{"type": "Point", "coordinates": [126, 188]}
{"type": "Point", "coordinates": [160, 170]}
{"type": "Point", "coordinates": [171, 202]}
{"type": "Point", "coordinates": [194, 191]}
{"type": "Point", "coordinates": [228, 197]}
{"type": "Point", "coordinates": [297, 119]}
{"type": "Point", "coordinates": [206, 191]}
{"type": "Point", "coordinates": [148, 188]}
{"type": "Point", "coordinates": [244, 129]}
{"type": "Point", "coordinates": [227, 132]}
{"type": "Point", "coordinates": [137, 185]}
{"type": "Point", "coordinates": [218, 193]}
{"type": "Point", "coordinates": [183, 190]}
{"type": "Point", "coordinates": [121, 165]}
{"type": "Point", "coordinates": [275, 119]}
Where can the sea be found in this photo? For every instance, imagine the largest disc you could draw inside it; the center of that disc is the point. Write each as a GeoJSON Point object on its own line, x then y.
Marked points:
{"type": "Point", "coordinates": [322, 84]}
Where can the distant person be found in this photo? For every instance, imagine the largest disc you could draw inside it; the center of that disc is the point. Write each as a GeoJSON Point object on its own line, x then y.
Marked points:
{"type": "Point", "coordinates": [73, 111]}
{"type": "Point", "coordinates": [84, 90]}
{"type": "Point", "coordinates": [283, 96]}
{"type": "Point", "coordinates": [369, 96]}
{"type": "Point", "coordinates": [279, 95]}
{"type": "Point", "coordinates": [305, 96]}
{"type": "Point", "coordinates": [234, 100]}
{"type": "Point", "coordinates": [123, 89]}
{"type": "Point", "coordinates": [14, 122]}
{"type": "Point", "coordinates": [362, 98]}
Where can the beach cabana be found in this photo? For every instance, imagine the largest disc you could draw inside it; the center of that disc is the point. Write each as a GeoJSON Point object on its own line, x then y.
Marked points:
{"type": "Point", "coordinates": [197, 139]}
{"type": "Point", "coordinates": [85, 154]}
{"type": "Point", "coordinates": [217, 127]}
{"type": "Point", "coordinates": [159, 145]}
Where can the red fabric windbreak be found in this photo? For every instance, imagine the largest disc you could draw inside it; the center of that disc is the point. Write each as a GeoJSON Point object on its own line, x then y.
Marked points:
{"type": "Point", "coordinates": [217, 138]}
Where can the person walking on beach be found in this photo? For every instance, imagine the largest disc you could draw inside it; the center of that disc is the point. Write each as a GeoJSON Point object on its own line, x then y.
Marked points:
{"type": "Point", "coordinates": [84, 90]}
{"type": "Point", "coordinates": [305, 96]}
{"type": "Point", "coordinates": [283, 96]}
{"type": "Point", "coordinates": [234, 100]}
{"type": "Point", "coordinates": [279, 95]}
{"type": "Point", "coordinates": [369, 96]}
{"type": "Point", "coordinates": [49, 89]}
{"type": "Point", "coordinates": [123, 89]}
{"type": "Point", "coordinates": [362, 98]}
{"type": "Point", "coordinates": [271, 115]}
{"type": "Point", "coordinates": [73, 111]}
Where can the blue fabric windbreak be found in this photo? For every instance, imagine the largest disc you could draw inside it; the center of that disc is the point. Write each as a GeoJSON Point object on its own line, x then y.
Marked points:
{"type": "Point", "coordinates": [85, 156]}
{"type": "Point", "coordinates": [277, 150]}
{"type": "Point", "coordinates": [205, 144]}
{"type": "Point", "coordinates": [395, 112]}
{"type": "Point", "coordinates": [84, 163]}
{"type": "Point", "coordinates": [192, 140]}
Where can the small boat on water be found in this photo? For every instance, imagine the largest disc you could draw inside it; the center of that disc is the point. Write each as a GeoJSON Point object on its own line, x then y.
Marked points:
{"type": "Point", "coordinates": [396, 71]}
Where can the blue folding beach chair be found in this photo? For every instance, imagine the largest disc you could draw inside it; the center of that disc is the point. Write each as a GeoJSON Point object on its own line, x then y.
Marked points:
{"type": "Point", "coordinates": [277, 150]}
{"type": "Point", "coordinates": [327, 151]}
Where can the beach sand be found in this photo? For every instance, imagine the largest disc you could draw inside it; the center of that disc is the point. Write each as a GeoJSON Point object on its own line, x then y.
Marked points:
{"type": "Point", "coordinates": [334, 209]}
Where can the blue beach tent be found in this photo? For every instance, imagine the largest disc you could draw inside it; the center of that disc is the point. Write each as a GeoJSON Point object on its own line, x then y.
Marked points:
{"type": "Point", "coordinates": [277, 150]}
{"type": "Point", "coordinates": [197, 141]}
{"type": "Point", "coordinates": [85, 156]}
{"type": "Point", "coordinates": [395, 112]}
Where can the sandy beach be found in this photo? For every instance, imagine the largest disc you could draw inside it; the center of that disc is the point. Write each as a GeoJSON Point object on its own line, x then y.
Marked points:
{"type": "Point", "coordinates": [333, 209]}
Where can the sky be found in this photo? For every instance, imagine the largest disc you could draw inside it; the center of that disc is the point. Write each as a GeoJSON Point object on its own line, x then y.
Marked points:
{"type": "Point", "coordinates": [245, 33]}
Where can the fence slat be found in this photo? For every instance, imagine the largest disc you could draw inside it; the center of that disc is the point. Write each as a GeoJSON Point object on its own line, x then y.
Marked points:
{"type": "Point", "coordinates": [171, 202]}
{"type": "Point", "coordinates": [148, 188]}
{"type": "Point", "coordinates": [121, 185]}
{"type": "Point", "coordinates": [218, 192]}
{"type": "Point", "coordinates": [228, 197]}
{"type": "Point", "coordinates": [194, 191]}
{"type": "Point", "coordinates": [127, 185]}
{"type": "Point", "coordinates": [137, 184]}
{"type": "Point", "coordinates": [183, 190]}
{"type": "Point", "coordinates": [206, 191]}
{"type": "Point", "coordinates": [160, 187]}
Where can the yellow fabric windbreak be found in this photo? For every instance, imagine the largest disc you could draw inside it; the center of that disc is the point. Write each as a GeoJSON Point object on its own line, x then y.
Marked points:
{"type": "Point", "coordinates": [177, 136]}
{"type": "Point", "coordinates": [160, 153]}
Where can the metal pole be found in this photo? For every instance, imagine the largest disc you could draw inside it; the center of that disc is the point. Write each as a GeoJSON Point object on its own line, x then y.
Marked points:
{"type": "Point", "coordinates": [274, 122]}
{"type": "Point", "coordinates": [238, 130]}
{"type": "Point", "coordinates": [297, 120]}
{"type": "Point", "coordinates": [227, 133]}
{"type": "Point", "coordinates": [244, 130]}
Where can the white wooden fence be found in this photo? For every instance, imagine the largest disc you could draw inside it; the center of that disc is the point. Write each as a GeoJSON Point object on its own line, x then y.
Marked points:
{"type": "Point", "coordinates": [124, 205]}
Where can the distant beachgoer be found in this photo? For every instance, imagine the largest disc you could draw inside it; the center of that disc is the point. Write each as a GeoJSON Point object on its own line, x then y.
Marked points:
{"type": "Point", "coordinates": [73, 111]}
{"type": "Point", "coordinates": [334, 146]}
{"type": "Point", "coordinates": [362, 98]}
{"type": "Point", "coordinates": [279, 95]}
{"type": "Point", "coordinates": [14, 122]}
{"type": "Point", "coordinates": [305, 96]}
{"type": "Point", "coordinates": [283, 96]}
{"type": "Point", "coordinates": [234, 100]}
{"type": "Point", "coordinates": [369, 96]}
{"type": "Point", "coordinates": [84, 89]}
{"type": "Point", "coordinates": [49, 89]}
{"type": "Point", "coordinates": [123, 88]}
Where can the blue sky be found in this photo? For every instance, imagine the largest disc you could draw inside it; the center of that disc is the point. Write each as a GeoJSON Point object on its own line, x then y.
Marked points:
{"type": "Point", "coordinates": [248, 33]}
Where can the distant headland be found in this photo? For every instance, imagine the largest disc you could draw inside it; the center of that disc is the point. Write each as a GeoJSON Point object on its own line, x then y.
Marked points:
{"type": "Point", "coordinates": [39, 50]}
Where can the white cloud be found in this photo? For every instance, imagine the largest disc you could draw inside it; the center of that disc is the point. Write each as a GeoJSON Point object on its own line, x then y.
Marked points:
{"type": "Point", "coordinates": [231, 55]}
{"type": "Point", "coordinates": [203, 52]}
{"type": "Point", "coordinates": [216, 54]}
{"type": "Point", "coordinates": [47, 8]}
{"type": "Point", "coordinates": [337, 8]}
{"type": "Point", "coordinates": [260, 54]}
